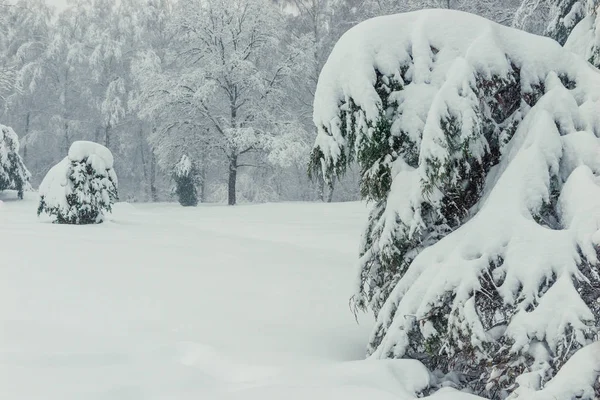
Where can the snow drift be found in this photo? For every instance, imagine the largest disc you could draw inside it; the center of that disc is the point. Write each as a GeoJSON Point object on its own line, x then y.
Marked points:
{"type": "Point", "coordinates": [82, 187]}
{"type": "Point", "coordinates": [479, 152]}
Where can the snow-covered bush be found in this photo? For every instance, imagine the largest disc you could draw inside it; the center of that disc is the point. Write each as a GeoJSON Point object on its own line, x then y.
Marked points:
{"type": "Point", "coordinates": [480, 157]}
{"type": "Point", "coordinates": [185, 175]}
{"type": "Point", "coordinates": [81, 188]}
{"type": "Point", "coordinates": [13, 173]}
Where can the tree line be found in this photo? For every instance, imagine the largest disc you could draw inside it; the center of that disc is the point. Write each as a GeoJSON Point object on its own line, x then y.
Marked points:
{"type": "Point", "coordinates": [228, 84]}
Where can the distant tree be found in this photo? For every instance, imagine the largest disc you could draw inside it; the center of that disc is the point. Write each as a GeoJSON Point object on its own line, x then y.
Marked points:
{"type": "Point", "coordinates": [185, 175]}
{"type": "Point", "coordinates": [533, 16]}
{"type": "Point", "coordinates": [82, 188]}
{"type": "Point", "coordinates": [13, 173]}
{"type": "Point", "coordinates": [154, 39]}
{"type": "Point", "coordinates": [226, 72]}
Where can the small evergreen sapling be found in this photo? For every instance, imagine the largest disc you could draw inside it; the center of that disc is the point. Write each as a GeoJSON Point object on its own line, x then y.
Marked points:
{"type": "Point", "coordinates": [185, 175]}
{"type": "Point", "coordinates": [82, 188]}
{"type": "Point", "coordinates": [13, 173]}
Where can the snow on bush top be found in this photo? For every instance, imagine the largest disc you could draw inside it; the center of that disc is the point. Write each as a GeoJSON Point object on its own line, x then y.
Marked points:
{"type": "Point", "coordinates": [478, 147]}
{"type": "Point", "coordinates": [94, 152]}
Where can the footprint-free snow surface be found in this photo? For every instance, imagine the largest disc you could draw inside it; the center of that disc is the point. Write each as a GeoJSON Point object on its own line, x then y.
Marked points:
{"type": "Point", "coordinates": [166, 302]}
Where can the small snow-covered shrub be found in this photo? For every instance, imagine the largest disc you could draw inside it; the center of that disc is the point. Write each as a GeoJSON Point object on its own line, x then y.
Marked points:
{"type": "Point", "coordinates": [13, 173]}
{"type": "Point", "coordinates": [479, 154]}
{"type": "Point", "coordinates": [185, 175]}
{"type": "Point", "coordinates": [81, 188]}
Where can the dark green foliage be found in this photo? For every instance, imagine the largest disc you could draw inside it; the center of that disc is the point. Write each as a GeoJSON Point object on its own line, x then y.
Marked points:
{"type": "Point", "coordinates": [186, 181]}
{"type": "Point", "coordinates": [460, 177]}
{"type": "Point", "coordinates": [186, 191]}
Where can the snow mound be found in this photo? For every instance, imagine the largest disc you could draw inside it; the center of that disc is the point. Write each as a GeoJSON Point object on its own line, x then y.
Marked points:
{"type": "Point", "coordinates": [54, 184]}
{"type": "Point", "coordinates": [479, 150]}
{"type": "Point", "coordinates": [389, 379]}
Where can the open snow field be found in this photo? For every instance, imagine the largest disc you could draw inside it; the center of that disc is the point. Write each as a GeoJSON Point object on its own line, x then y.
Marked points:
{"type": "Point", "coordinates": [163, 302]}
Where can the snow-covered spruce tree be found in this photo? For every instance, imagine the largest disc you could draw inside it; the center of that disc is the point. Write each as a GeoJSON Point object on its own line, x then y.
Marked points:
{"type": "Point", "coordinates": [185, 175]}
{"type": "Point", "coordinates": [82, 188]}
{"type": "Point", "coordinates": [565, 15]}
{"type": "Point", "coordinates": [13, 173]}
{"type": "Point", "coordinates": [479, 152]}
{"type": "Point", "coordinates": [584, 38]}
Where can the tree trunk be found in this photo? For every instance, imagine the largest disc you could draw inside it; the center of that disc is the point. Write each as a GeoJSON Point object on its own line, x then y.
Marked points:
{"type": "Point", "coordinates": [27, 120]}
{"type": "Point", "coordinates": [202, 183]}
{"type": "Point", "coordinates": [107, 137]}
{"type": "Point", "coordinates": [330, 194]}
{"type": "Point", "coordinates": [232, 180]}
{"type": "Point", "coordinates": [153, 191]}
{"type": "Point", "coordinates": [67, 138]}
{"type": "Point", "coordinates": [321, 187]}
{"type": "Point", "coordinates": [146, 184]}
{"type": "Point", "coordinates": [66, 112]}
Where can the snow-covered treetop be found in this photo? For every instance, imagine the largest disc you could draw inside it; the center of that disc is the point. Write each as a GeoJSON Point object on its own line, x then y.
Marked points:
{"type": "Point", "coordinates": [478, 145]}
{"type": "Point", "coordinates": [183, 167]}
{"type": "Point", "coordinates": [9, 142]}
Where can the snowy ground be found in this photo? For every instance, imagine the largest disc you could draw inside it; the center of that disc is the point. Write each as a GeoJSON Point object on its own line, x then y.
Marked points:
{"type": "Point", "coordinates": [170, 303]}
